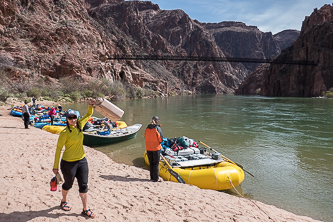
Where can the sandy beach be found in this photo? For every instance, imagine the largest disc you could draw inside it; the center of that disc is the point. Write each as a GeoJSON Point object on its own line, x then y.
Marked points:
{"type": "Point", "coordinates": [117, 192]}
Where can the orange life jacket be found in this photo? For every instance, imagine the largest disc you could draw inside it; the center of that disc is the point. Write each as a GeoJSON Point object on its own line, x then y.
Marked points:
{"type": "Point", "coordinates": [153, 139]}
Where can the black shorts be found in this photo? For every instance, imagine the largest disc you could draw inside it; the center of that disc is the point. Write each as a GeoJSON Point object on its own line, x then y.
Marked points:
{"type": "Point", "coordinates": [71, 170]}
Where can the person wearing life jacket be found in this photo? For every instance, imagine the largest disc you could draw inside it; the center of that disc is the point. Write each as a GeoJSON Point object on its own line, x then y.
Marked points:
{"type": "Point", "coordinates": [154, 138]}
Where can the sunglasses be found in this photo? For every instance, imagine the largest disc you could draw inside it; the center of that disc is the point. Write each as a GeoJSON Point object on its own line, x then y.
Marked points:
{"type": "Point", "coordinates": [71, 117]}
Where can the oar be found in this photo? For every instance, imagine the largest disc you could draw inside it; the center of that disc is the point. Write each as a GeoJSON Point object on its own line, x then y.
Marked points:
{"type": "Point", "coordinates": [172, 172]}
{"type": "Point", "coordinates": [226, 158]}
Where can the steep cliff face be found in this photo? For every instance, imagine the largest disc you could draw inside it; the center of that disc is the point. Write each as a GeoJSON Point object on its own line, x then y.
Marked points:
{"type": "Point", "coordinates": [51, 39]}
{"type": "Point", "coordinates": [314, 44]}
{"type": "Point", "coordinates": [161, 32]}
{"type": "Point", "coordinates": [240, 41]}
{"type": "Point", "coordinates": [252, 85]}
{"type": "Point", "coordinates": [286, 38]}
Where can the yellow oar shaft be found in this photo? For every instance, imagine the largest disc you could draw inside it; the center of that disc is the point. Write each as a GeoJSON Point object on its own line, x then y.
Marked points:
{"type": "Point", "coordinates": [166, 162]}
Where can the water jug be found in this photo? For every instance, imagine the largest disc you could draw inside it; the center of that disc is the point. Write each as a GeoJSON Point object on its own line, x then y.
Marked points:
{"type": "Point", "coordinates": [53, 184]}
{"type": "Point", "coordinates": [108, 109]}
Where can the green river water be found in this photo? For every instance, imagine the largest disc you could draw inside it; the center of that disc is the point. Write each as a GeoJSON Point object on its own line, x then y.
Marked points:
{"type": "Point", "coordinates": [286, 143]}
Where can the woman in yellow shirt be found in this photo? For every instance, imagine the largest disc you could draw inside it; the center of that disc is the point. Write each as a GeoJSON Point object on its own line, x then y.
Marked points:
{"type": "Point", "coordinates": [73, 163]}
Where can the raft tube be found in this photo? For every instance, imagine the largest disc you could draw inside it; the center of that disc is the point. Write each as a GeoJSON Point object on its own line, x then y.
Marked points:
{"type": "Point", "coordinates": [220, 176]}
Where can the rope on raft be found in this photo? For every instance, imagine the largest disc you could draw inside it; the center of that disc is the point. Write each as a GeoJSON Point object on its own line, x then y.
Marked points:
{"type": "Point", "coordinates": [248, 199]}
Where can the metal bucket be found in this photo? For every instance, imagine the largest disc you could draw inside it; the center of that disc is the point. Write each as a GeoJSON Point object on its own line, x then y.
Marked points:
{"type": "Point", "coordinates": [108, 109]}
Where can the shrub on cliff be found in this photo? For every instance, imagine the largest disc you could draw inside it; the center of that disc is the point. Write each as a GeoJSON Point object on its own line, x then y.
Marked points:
{"type": "Point", "coordinates": [3, 95]}
{"type": "Point", "coordinates": [329, 93]}
{"type": "Point", "coordinates": [34, 92]}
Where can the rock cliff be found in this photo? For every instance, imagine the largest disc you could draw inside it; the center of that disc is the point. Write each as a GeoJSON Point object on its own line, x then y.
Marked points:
{"type": "Point", "coordinates": [52, 39]}
{"type": "Point", "coordinates": [313, 44]}
{"type": "Point", "coordinates": [232, 36]}
{"type": "Point", "coordinates": [286, 38]}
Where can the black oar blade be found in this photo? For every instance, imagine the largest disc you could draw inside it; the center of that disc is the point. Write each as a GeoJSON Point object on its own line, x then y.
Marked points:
{"type": "Point", "coordinates": [176, 175]}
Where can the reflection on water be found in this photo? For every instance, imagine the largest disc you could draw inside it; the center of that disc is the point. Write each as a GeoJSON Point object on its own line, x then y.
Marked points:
{"type": "Point", "coordinates": [285, 142]}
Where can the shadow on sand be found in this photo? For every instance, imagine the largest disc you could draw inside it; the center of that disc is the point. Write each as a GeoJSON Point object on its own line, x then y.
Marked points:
{"type": "Point", "coordinates": [120, 178]}
{"type": "Point", "coordinates": [29, 215]}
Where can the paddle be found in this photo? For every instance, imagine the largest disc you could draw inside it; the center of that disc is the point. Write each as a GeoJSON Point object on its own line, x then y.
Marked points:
{"type": "Point", "coordinates": [172, 172]}
{"type": "Point", "coordinates": [225, 158]}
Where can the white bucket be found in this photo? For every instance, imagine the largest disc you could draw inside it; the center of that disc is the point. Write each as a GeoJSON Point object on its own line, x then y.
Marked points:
{"type": "Point", "coordinates": [108, 109]}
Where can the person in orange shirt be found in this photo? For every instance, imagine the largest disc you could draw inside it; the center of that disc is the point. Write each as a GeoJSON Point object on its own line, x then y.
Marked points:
{"type": "Point", "coordinates": [154, 138]}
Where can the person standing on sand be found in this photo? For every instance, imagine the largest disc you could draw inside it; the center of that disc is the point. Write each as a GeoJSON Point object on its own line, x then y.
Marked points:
{"type": "Point", "coordinates": [59, 108]}
{"type": "Point", "coordinates": [52, 113]}
{"type": "Point", "coordinates": [73, 163]}
{"type": "Point", "coordinates": [154, 138]}
{"type": "Point", "coordinates": [34, 102]}
{"type": "Point", "coordinates": [26, 114]}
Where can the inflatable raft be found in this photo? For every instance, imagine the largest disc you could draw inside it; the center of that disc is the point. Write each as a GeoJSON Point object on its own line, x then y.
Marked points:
{"type": "Point", "coordinates": [199, 167]}
{"type": "Point", "coordinates": [97, 138]}
{"type": "Point", "coordinates": [58, 127]}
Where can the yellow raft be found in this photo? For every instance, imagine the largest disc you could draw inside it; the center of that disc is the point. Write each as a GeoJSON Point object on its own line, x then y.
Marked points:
{"type": "Point", "coordinates": [210, 173]}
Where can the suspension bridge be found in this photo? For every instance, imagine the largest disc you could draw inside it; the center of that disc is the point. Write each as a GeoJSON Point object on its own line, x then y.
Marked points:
{"type": "Point", "coordinates": [212, 59]}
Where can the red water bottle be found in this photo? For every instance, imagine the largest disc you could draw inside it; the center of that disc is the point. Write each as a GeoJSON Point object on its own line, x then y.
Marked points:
{"type": "Point", "coordinates": [53, 184]}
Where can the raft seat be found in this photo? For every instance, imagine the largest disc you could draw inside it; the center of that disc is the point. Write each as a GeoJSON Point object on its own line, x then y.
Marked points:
{"type": "Point", "coordinates": [194, 163]}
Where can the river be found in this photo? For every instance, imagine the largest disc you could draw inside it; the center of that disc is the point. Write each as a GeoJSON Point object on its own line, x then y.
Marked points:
{"type": "Point", "coordinates": [286, 143]}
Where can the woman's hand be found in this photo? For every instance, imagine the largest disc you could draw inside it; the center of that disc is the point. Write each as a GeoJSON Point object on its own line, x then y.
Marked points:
{"type": "Point", "coordinates": [55, 171]}
{"type": "Point", "coordinates": [92, 102]}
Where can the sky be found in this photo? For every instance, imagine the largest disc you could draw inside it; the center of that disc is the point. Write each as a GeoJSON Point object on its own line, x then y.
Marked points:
{"type": "Point", "coordinates": [268, 15]}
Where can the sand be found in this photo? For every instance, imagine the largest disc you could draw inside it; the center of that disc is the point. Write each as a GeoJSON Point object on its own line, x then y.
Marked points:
{"type": "Point", "coordinates": [117, 192]}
